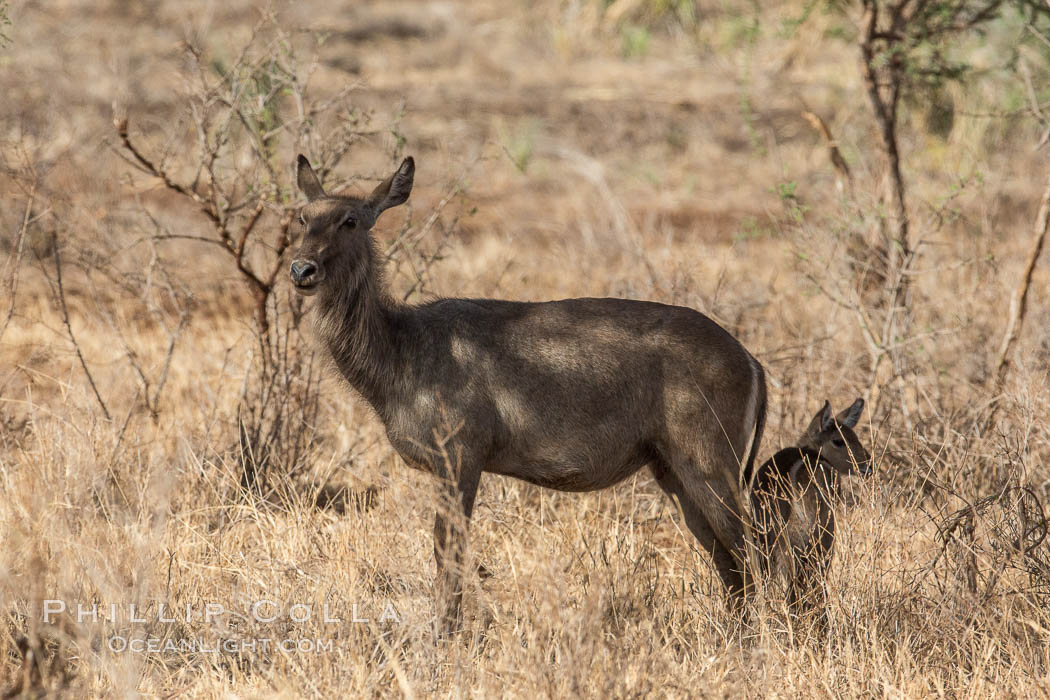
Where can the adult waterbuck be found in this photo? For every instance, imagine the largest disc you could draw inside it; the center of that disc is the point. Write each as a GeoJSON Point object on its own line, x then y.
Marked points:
{"type": "Point", "coordinates": [792, 499]}
{"type": "Point", "coordinates": [573, 395]}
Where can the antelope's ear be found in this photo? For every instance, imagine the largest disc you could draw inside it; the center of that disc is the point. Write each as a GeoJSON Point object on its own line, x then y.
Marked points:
{"type": "Point", "coordinates": [307, 179]}
{"type": "Point", "coordinates": [851, 415]}
{"type": "Point", "coordinates": [822, 421]}
{"type": "Point", "coordinates": [395, 189]}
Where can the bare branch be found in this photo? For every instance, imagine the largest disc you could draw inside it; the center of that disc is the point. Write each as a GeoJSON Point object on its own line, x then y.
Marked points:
{"type": "Point", "coordinates": [121, 124]}
{"type": "Point", "coordinates": [61, 295]}
{"type": "Point", "coordinates": [16, 258]}
{"type": "Point", "coordinates": [1019, 303]}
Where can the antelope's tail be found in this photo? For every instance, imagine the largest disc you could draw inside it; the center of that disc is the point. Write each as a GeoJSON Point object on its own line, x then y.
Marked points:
{"type": "Point", "coordinates": [760, 424]}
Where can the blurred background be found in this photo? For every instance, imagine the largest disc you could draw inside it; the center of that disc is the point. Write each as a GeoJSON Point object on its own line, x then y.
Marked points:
{"type": "Point", "coordinates": [856, 190]}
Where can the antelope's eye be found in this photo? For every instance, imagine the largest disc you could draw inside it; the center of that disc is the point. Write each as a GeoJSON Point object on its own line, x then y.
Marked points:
{"type": "Point", "coordinates": [838, 442]}
{"type": "Point", "coordinates": [350, 222]}
{"type": "Point", "coordinates": [302, 221]}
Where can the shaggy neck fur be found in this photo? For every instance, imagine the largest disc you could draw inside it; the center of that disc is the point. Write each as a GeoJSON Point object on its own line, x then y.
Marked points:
{"type": "Point", "coordinates": [356, 319]}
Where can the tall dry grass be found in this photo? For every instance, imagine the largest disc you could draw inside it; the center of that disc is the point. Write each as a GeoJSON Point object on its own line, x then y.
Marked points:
{"type": "Point", "coordinates": [561, 153]}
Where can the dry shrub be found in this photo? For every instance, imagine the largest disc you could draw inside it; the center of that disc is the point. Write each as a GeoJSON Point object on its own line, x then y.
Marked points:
{"type": "Point", "coordinates": [250, 114]}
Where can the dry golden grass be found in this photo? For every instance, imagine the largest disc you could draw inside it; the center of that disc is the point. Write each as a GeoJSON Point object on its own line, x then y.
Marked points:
{"type": "Point", "coordinates": [593, 162]}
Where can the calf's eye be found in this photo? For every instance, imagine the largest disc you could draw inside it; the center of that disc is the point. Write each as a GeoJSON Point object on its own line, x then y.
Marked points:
{"type": "Point", "coordinates": [302, 221]}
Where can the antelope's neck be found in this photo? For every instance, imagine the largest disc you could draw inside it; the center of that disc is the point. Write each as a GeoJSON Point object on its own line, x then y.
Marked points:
{"type": "Point", "coordinates": [358, 330]}
{"type": "Point", "coordinates": [812, 469]}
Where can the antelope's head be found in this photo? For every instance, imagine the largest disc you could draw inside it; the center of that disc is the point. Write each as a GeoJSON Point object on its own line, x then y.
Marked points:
{"type": "Point", "coordinates": [336, 247]}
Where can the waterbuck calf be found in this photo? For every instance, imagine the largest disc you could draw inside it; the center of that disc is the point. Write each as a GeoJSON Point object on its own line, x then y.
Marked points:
{"type": "Point", "coordinates": [573, 395]}
{"type": "Point", "coordinates": [791, 498]}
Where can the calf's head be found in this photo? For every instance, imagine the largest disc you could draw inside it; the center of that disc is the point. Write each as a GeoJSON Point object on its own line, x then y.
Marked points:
{"type": "Point", "coordinates": [834, 439]}
{"type": "Point", "coordinates": [335, 245]}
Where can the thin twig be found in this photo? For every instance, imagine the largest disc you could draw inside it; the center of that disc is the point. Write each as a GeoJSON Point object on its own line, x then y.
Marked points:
{"type": "Point", "coordinates": [121, 124]}
{"type": "Point", "coordinates": [16, 258]}
{"type": "Point", "coordinates": [61, 293]}
{"type": "Point", "coordinates": [155, 402]}
{"type": "Point", "coordinates": [1019, 303]}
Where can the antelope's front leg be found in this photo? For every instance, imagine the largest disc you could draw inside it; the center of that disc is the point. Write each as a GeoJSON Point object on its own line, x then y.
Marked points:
{"type": "Point", "coordinates": [450, 548]}
{"type": "Point", "coordinates": [809, 594]}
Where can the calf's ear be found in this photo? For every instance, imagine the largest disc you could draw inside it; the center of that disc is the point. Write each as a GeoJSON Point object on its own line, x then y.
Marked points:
{"type": "Point", "coordinates": [851, 415]}
{"type": "Point", "coordinates": [822, 421]}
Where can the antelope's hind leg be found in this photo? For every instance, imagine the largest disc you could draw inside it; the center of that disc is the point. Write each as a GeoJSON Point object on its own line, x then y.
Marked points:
{"type": "Point", "coordinates": [727, 547]}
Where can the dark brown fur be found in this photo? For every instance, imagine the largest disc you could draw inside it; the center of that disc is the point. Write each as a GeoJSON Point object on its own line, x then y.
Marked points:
{"type": "Point", "coordinates": [572, 395]}
{"type": "Point", "coordinates": [791, 499]}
